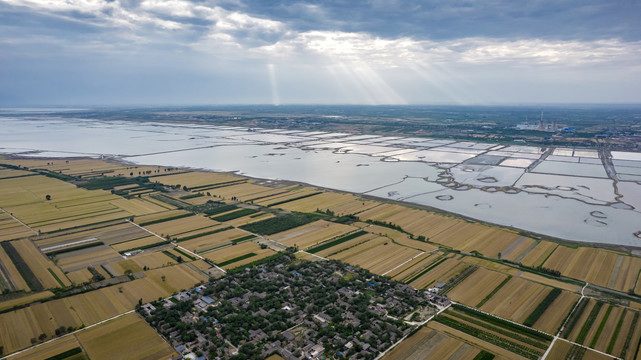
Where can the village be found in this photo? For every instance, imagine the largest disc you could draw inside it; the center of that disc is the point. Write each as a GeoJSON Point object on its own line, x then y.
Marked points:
{"type": "Point", "coordinates": [293, 309]}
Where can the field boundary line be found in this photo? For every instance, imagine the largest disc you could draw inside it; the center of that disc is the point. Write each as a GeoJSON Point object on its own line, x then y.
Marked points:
{"type": "Point", "coordinates": [305, 252]}
{"type": "Point", "coordinates": [147, 230]}
{"type": "Point", "coordinates": [69, 334]}
{"type": "Point", "coordinates": [389, 271]}
{"type": "Point", "coordinates": [16, 219]}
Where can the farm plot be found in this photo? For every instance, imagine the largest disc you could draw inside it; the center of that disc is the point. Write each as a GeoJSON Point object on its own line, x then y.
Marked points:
{"type": "Point", "coordinates": [65, 345]}
{"type": "Point", "coordinates": [516, 338]}
{"type": "Point", "coordinates": [378, 255]}
{"type": "Point", "coordinates": [158, 217]}
{"type": "Point", "coordinates": [417, 222]}
{"type": "Point", "coordinates": [474, 341]}
{"type": "Point", "coordinates": [141, 243]}
{"type": "Point", "coordinates": [296, 193]}
{"type": "Point", "coordinates": [68, 206]}
{"type": "Point", "coordinates": [410, 266]}
{"type": "Point", "coordinates": [608, 328]}
{"type": "Point", "coordinates": [247, 192]}
{"type": "Point", "coordinates": [24, 300]}
{"type": "Point", "coordinates": [565, 350]}
{"type": "Point", "coordinates": [238, 255]}
{"type": "Point", "coordinates": [126, 337]}
{"type": "Point", "coordinates": [12, 229]}
{"type": "Point", "coordinates": [517, 247]}
{"type": "Point", "coordinates": [227, 235]}
{"type": "Point", "coordinates": [311, 234]}
{"type": "Point", "coordinates": [609, 268]}
{"type": "Point", "coordinates": [136, 263]}
{"type": "Point", "coordinates": [12, 278]}
{"type": "Point", "coordinates": [194, 179]}
{"type": "Point", "coordinates": [477, 286]}
{"type": "Point", "coordinates": [106, 233]}
{"type": "Point", "coordinates": [537, 255]}
{"type": "Point", "coordinates": [489, 241]}
{"type": "Point", "coordinates": [47, 273]}
{"type": "Point", "coordinates": [182, 225]}
{"type": "Point", "coordinates": [516, 300]}
{"type": "Point", "coordinates": [339, 204]}
{"type": "Point", "coordinates": [18, 327]}
{"type": "Point", "coordinates": [549, 282]}
{"type": "Point", "coordinates": [552, 317]}
{"type": "Point", "coordinates": [172, 279]}
{"type": "Point", "coordinates": [93, 256]}
{"type": "Point", "coordinates": [342, 243]}
{"type": "Point", "coordinates": [439, 271]}
{"type": "Point", "coordinates": [250, 218]}
{"type": "Point", "coordinates": [430, 344]}
{"type": "Point", "coordinates": [80, 276]}
{"type": "Point", "coordinates": [137, 206]}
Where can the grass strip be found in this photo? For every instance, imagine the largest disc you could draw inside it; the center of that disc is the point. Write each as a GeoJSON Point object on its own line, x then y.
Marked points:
{"type": "Point", "coordinates": [575, 317]}
{"type": "Point", "coordinates": [191, 196]}
{"type": "Point", "coordinates": [338, 241]}
{"type": "Point", "coordinates": [219, 210]}
{"type": "Point", "coordinates": [172, 256]}
{"type": "Point", "coordinates": [236, 259]}
{"type": "Point", "coordinates": [66, 354]}
{"type": "Point", "coordinates": [22, 267]}
{"type": "Point", "coordinates": [491, 338]}
{"type": "Point", "coordinates": [241, 239]}
{"type": "Point", "coordinates": [496, 289]}
{"type": "Point", "coordinates": [540, 309]}
{"type": "Point", "coordinates": [536, 342]}
{"type": "Point", "coordinates": [184, 254]}
{"type": "Point", "coordinates": [280, 223]}
{"type": "Point", "coordinates": [157, 221]}
{"type": "Point", "coordinates": [617, 330]}
{"type": "Point", "coordinates": [601, 326]}
{"type": "Point", "coordinates": [56, 277]}
{"type": "Point", "coordinates": [74, 248]}
{"type": "Point", "coordinates": [294, 199]}
{"type": "Point", "coordinates": [484, 355]}
{"type": "Point", "coordinates": [588, 323]}
{"type": "Point", "coordinates": [204, 234]}
{"type": "Point", "coordinates": [169, 200]}
{"type": "Point", "coordinates": [503, 323]}
{"type": "Point", "coordinates": [235, 215]}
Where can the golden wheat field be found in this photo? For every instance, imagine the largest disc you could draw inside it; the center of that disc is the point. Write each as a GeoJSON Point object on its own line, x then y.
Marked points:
{"type": "Point", "coordinates": [608, 268]}
{"type": "Point", "coordinates": [430, 344]}
{"type": "Point", "coordinates": [498, 351]}
{"type": "Point", "coordinates": [379, 255]}
{"type": "Point", "coordinates": [516, 299]}
{"type": "Point", "coordinates": [476, 286]}
{"type": "Point", "coordinates": [42, 267]}
{"type": "Point", "coordinates": [23, 300]}
{"type": "Point", "coordinates": [203, 243]}
{"type": "Point", "coordinates": [311, 234]}
{"type": "Point", "coordinates": [128, 336]}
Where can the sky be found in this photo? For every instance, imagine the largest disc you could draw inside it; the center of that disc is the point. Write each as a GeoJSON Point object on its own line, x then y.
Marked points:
{"type": "Point", "coordinates": [202, 52]}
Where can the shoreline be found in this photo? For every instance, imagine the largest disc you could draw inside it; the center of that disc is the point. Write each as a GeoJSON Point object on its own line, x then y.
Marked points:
{"type": "Point", "coordinates": [537, 236]}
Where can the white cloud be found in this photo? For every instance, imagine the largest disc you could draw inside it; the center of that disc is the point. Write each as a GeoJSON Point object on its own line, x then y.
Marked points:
{"type": "Point", "coordinates": [381, 52]}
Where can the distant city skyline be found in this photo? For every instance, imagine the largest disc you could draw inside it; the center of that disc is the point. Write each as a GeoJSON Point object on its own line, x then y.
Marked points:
{"type": "Point", "coordinates": [178, 52]}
